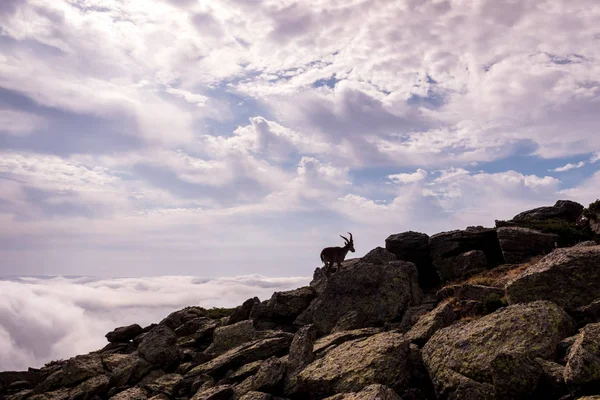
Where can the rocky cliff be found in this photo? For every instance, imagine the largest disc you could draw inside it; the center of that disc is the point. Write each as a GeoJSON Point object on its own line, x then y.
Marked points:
{"type": "Point", "coordinates": [510, 312]}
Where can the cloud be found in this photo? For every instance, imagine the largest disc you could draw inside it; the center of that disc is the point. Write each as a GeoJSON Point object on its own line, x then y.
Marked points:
{"type": "Point", "coordinates": [45, 319]}
{"type": "Point", "coordinates": [595, 157]}
{"type": "Point", "coordinates": [417, 176]}
{"type": "Point", "coordinates": [19, 123]}
{"type": "Point", "coordinates": [568, 167]}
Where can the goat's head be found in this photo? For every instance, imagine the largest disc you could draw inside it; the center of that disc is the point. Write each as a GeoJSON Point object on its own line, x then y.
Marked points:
{"type": "Point", "coordinates": [349, 243]}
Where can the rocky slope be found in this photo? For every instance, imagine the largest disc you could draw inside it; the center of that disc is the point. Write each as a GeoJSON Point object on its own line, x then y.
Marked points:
{"type": "Point", "coordinates": [466, 314]}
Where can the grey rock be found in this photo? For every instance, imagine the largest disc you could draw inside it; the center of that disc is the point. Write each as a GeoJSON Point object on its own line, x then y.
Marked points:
{"type": "Point", "coordinates": [441, 317]}
{"type": "Point", "coordinates": [329, 342]}
{"type": "Point", "coordinates": [414, 247]}
{"type": "Point", "coordinates": [479, 293]}
{"type": "Point", "coordinates": [242, 312]}
{"type": "Point", "coordinates": [124, 333]}
{"type": "Point", "coordinates": [520, 244]}
{"type": "Point", "coordinates": [178, 318]}
{"type": "Point", "coordinates": [159, 346]}
{"type": "Point", "coordinates": [371, 392]}
{"type": "Point", "coordinates": [378, 256]}
{"type": "Point", "coordinates": [563, 209]}
{"type": "Point", "coordinates": [133, 393]}
{"type": "Point", "coordinates": [583, 361]}
{"type": "Point", "coordinates": [221, 392]}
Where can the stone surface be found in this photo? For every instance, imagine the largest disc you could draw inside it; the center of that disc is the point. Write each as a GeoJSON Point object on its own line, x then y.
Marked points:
{"type": "Point", "coordinates": [479, 293]}
{"type": "Point", "coordinates": [159, 346]}
{"type": "Point", "coordinates": [371, 392]}
{"type": "Point", "coordinates": [95, 386]}
{"type": "Point", "coordinates": [514, 376]}
{"type": "Point", "coordinates": [300, 355]}
{"type": "Point", "coordinates": [124, 333]}
{"type": "Point", "coordinates": [80, 368]}
{"type": "Point", "coordinates": [256, 396]}
{"type": "Point", "coordinates": [221, 392]}
{"type": "Point", "coordinates": [269, 375]}
{"type": "Point", "coordinates": [377, 293]}
{"type": "Point", "coordinates": [248, 352]}
{"type": "Point", "coordinates": [378, 256]}
{"type": "Point", "coordinates": [242, 312]}
{"type": "Point", "coordinates": [563, 209]}
{"type": "Point", "coordinates": [245, 371]}
{"type": "Point", "coordinates": [134, 393]}
{"type": "Point", "coordinates": [520, 244]}
{"type": "Point", "coordinates": [130, 370]}
{"type": "Point", "coordinates": [193, 325]}
{"type": "Point", "coordinates": [282, 308]}
{"type": "Point", "coordinates": [569, 277]}
{"type": "Point", "coordinates": [583, 360]}
{"type": "Point", "coordinates": [414, 247]}
{"type": "Point", "coordinates": [166, 384]}
{"type": "Point", "coordinates": [382, 358]}
{"type": "Point", "coordinates": [442, 316]}
{"type": "Point", "coordinates": [461, 266]}
{"type": "Point", "coordinates": [230, 336]}
{"type": "Point", "coordinates": [467, 350]}
{"type": "Point", "coordinates": [329, 342]}
{"type": "Point", "coordinates": [446, 246]}
{"type": "Point", "coordinates": [178, 318]}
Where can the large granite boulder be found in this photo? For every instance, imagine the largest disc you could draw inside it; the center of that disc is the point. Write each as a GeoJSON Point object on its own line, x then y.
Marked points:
{"type": "Point", "coordinates": [242, 312]}
{"type": "Point", "coordinates": [464, 353]}
{"type": "Point", "coordinates": [246, 353]}
{"type": "Point", "coordinates": [159, 346]}
{"type": "Point", "coordinates": [446, 246]}
{"type": "Point", "coordinates": [124, 334]}
{"type": "Point", "coordinates": [414, 247]}
{"type": "Point", "coordinates": [378, 255]}
{"type": "Point", "coordinates": [80, 368]}
{"type": "Point", "coordinates": [565, 210]}
{"type": "Point", "coordinates": [281, 309]}
{"type": "Point", "coordinates": [180, 317]}
{"type": "Point", "coordinates": [371, 392]}
{"type": "Point", "coordinates": [230, 336]}
{"type": "Point", "coordinates": [569, 277]}
{"type": "Point", "coordinates": [372, 293]}
{"type": "Point", "coordinates": [520, 244]}
{"type": "Point", "coordinates": [583, 360]}
{"type": "Point", "coordinates": [300, 355]}
{"type": "Point", "coordinates": [440, 317]}
{"type": "Point", "coordinates": [382, 358]}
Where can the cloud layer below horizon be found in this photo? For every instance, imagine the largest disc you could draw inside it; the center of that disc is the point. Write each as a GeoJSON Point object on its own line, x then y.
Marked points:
{"type": "Point", "coordinates": [233, 137]}
{"type": "Point", "coordinates": [45, 319]}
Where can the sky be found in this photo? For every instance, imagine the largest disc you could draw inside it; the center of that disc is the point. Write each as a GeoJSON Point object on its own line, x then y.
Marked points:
{"type": "Point", "coordinates": [218, 139]}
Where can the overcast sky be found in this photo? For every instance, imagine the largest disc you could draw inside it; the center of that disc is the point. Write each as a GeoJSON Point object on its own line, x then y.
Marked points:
{"type": "Point", "coordinates": [219, 138]}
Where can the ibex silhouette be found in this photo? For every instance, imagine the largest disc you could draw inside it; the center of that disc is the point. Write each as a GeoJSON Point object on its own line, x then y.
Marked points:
{"type": "Point", "coordinates": [331, 255]}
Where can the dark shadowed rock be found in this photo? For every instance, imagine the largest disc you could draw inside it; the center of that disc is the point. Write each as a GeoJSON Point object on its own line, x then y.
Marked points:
{"type": "Point", "coordinates": [371, 392]}
{"type": "Point", "coordinates": [461, 266]}
{"type": "Point", "coordinates": [300, 355]}
{"type": "Point", "coordinates": [159, 346]}
{"type": "Point", "coordinates": [269, 375]}
{"type": "Point", "coordinates": [588, 314]}
{"type": "Point", "coordinates": [586, 243]}
{"type": "Point", "coordinates": [378, 256]}
{"type": "Point", "coordinates": [411, 316]}
{"type": "Point", "coordinates": [442, 316]}
{"type": "Point", "coordinates": [514, 376]}
{"type": "Point", "coordinates": [565, 210]}
{"type": "Point", "coordinates": [479, 293]}
{"type": "Point", "coordinates": [528, 330]}
{"type": "Point", "coordinates": [124, 333]}
{"type": "Point", "coordinates": [80, 368]}
{"type": "Point", "coordinates": [245, 371]}
{"type": "Point", "coordinates": [569, 277]}
{"type": "Point", "coordinates": [248, 352]}
{"type": "Point", "coordinates": [583, 361]}
{"type": "Point", "coordinates": [192, 326]}
{"type": "Point", "coordinates": [130, 370]}
{"type": "Point", "coordinates": [133, 393]}
{"type": "Point", "coordinates": [221, 392]}
{"type": "Point", "coordinates": [166, 384]}
{"type": "Point", "coordinates": [414, 247]}
{"type": "Point", "coordinates": [242, 312]}
{"type": "Point", "coordinates": [95, 386]}
{"type": "Point", "coordinates": [178, 318]}
{"type": "Point", "coordinates": [280, 311]}
{"type": "Point", "coordinates": [520, 244]}
{"type": "Point", "coordinates": [382, 358]}
{"type": "Point", "coordinates": [377, 293]}
{"type": "Point", "coordinates": [446, 246]}
{"type": "Point", "coordinates": [230, 336]}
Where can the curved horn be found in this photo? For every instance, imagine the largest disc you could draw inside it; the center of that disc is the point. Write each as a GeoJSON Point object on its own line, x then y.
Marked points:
{"type": "Point", "coordinates": [350, 237]}
{"type": "Point", "coordinates": [347, 241]}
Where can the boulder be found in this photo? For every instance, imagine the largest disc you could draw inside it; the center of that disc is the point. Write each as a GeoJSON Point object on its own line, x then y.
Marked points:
{"type": "Point", "coordinates": [371, 392]}
{"type": "Point", "coordinates": [588, 314]}
{"type": "Point", "coordinates": [569, 277]}
{"type": "Point", "coordinates": [463, 353]}
{"type": "Point", "coordinates": [166, 384]}
{"type": "Point", "coordinates": [194, 325]}
{"type": "Point", "coordinates": [382, 358]}
{"type": "Point", "coordinates": [269, 375]}
{"type": "Point", "coordinates": [446, 246]}
{"type": "Point", "coordinates": [245, 371]}
{"type": "Point", "coordinates": [379, 256]}
{"type": "Point", "coordinates": [414, 247]}
{"type": "Point", "coordinates": [230, 336]}
{"type": "Point", "coordinates": [242, 312]}
{"type": "Point", "coordinates": [280, 311]}
{"type": "Point", "coordinates": [178, 318]}
{"type": "Point", "coordinates": [514, 376]}
{"type": "Point", "coordinates": [300, 355]}
{"type": "Point", "coordinates": [411, 316]}
{"type": "Point", "coordinates": [134, 393]}
{"type": "Point", "coordinates": [565, 210]}
{"type": "Point", "coordinates": [80, 368]}
{"type": "Point", "coordinates": [256, 396]}
{"type": "Point", "coordinates": [159, 346]}
{"type": "Point", "coordinates": [246, 353]}
{"type": "Point", "coordinates": [377, 293]}
{"type": "Point", "coordinates": [124, 334]}
{"type": "Point", "coordinates": [583, 360]}
{"type": "Point", "coordinates": [95, 386]}
{"type": "Point", "coordinates": [520, 244]}
{"type": "Point", "coordinates": [442, 316]}
{"type": "Point", "coordinates": [221, 392]}
{"type": "Point", "coordinates": [130, 370]}
{"type": "Point", "coordinates": [586, 243]}
{"type": "Point", "coordinates": [479, 293]}
{"type": "Point", "coordinates": [461, 266]}
{"type": "Point", "coordinates": [329, 342]}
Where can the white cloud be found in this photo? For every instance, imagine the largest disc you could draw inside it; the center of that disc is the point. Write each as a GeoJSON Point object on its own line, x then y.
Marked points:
{"type": "Point", "coordinates": [417, 176]}
{"type": "Point", "coordinates": [19, 123]}
{"type": "Point", "coordinates": [44, 319]}
{"type": "Point", "coordinates": [595, 157]}
{"type": "Point", "coordinates": [568, 167]}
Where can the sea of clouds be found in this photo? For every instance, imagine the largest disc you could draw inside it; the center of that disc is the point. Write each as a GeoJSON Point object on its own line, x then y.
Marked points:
{"type": "Point", "coordinates": [49, 318]}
